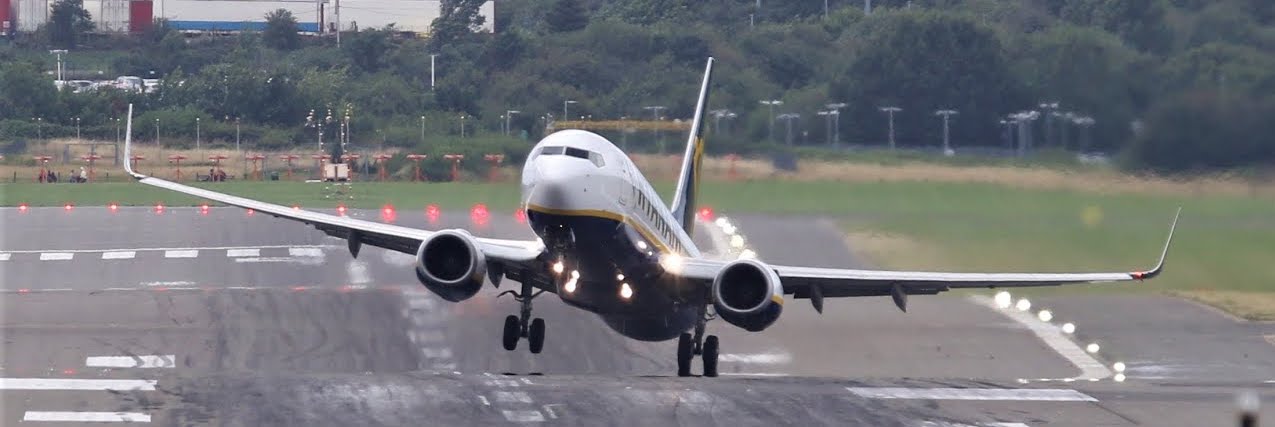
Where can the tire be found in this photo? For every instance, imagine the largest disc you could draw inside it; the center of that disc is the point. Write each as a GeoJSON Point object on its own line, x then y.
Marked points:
{"type": "Point", "coordinates": [710, 356]}
{"type": "Point", "coordinates": [536, 336]}
{"type": "Point", "coordinates": [685, 353]}
{"type": "Point", "coordinates": [510, 339]}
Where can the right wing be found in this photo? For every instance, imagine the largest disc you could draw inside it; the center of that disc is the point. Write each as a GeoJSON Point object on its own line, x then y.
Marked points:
{"type": "Point", "coordinates": [519, 259]}
{"type": "Point", "coordinates": [818, 283]}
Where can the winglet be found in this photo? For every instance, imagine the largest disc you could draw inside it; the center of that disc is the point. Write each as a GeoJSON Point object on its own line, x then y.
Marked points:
{"type": "Point", "coordinates": [1159, 266]}
{"type": "Point", "coordinates": [128, 145]}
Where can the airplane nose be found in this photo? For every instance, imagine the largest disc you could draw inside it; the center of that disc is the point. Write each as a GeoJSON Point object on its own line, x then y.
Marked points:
{"type": "Point", "coordinates": [552, 186]}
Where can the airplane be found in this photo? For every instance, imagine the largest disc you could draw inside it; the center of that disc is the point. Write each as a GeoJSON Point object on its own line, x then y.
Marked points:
{"type": "Point", "coordinates": [607, 244]}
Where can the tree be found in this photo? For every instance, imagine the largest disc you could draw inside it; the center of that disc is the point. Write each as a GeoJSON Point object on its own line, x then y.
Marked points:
{"type": "Point", "coordinates": [67, 21]}
{"type": "Point", "coordinates": [281, 30]}
{"type": "Point", "coordinates": [1203, 131]}
{"type": "Point", "coordinates": [368, 49]}
{"type": "Point", "coordinates": [457, 20]}
{"type": "Point", "coordinates": [566, 16]}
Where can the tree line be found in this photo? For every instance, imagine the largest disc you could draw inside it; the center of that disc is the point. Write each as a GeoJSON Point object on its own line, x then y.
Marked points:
{"type": "Point", "coordinates": [1169, 85]}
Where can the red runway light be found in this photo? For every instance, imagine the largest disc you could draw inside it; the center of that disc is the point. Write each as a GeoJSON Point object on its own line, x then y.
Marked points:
{"type": "Point", "coordinates": [203, 209]}
{"type": "Point", "coordinates": [159, 208]}
{"type": "Point", "coordinates": [68, 206]}
{"type": "Point", "coordinates": [433, 213]}
{"type": "Point", "coordinates": [22, 208]}
{"type": "Point", "coordinates": [24, 291]}
{"type": "Point", "coordinates": [113, 207]}
{"type": "Point", "coordinates": [68, 371]}
{"type": "Point", "coordinates": [479, 214]}
{"type": "Point", "coordinates": [298, 288]}
{"type": "Point", "coordinates": [520, 216]}
{"type": "Point", "coordinates": [705, 214]}
{"type": "Point", "coordinates": [340, 210]}
{"type": "Point", "coordinates": [388, 214]}
{"type": "Point", "coordinates": [250, 212]}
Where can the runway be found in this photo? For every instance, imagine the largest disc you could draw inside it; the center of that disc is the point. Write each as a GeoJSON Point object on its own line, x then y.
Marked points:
{"type": "Point", "coordinates": [224, 318]}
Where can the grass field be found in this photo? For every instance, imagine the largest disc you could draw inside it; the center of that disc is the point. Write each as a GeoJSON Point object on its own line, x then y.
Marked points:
{"type": "Point", "coordinates": [1221, 255]}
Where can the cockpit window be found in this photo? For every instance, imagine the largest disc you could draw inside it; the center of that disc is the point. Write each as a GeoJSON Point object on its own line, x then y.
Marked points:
{"type": "Point", "coordinates": [596, 158]}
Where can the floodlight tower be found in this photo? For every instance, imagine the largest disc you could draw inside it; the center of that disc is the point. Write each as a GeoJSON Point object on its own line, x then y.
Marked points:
{"type": "Point", "coordinates": [889, 111]}
{"type": "Point", "coordinates": [836, 120]}
{"type": "Point", "coordinates": [946, 114]}
{"type": "Point", "coordinates": [789, 117]}
{"type": "Point", "coordinates": [772, 103]}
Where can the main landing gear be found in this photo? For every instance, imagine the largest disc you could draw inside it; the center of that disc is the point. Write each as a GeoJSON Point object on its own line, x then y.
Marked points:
{"type": "Point", "coordinates": [523, 325]}
{"type": "Point", "coordinates": [690, 345]}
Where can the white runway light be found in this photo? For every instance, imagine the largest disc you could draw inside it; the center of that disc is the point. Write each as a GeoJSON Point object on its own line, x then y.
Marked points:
{"type": "Point", "coordinates": [1092, 348]}
{"type": "Point", "coordinates": [1024, 305]}
{"type": "Point", "coordinates": [1003, 299]}
{"type": "Point", "coordinates": [1119, 378]}
{"type": "Point", "coordinates": [1069, 328]}
{"type": "Point", "coordinates": [1045, 315]}
{"type": "Point", "coordinates": [1118, 366]}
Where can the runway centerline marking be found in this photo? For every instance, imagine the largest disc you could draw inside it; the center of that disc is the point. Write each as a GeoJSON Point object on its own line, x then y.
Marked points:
{"type": "Point", "coordinates": [760, 358]}
{"type": "Point", "coordinates": [123, 417]}
{"type": "Point", "coordinates": [300, 251]}
{"type": "Point", "coordinates": [1026, 394]}
{"type": "Point", "coordinates": [1090, 368]}
{"type": "Point", "coordinates": [209, 248]}
{"type": "Point", "coordinates": [56, 256]}
{"type": "Point", "coordinates": [234, 253]}
{"type": "Point", "coordinates": [75, 384]}
{"type": "Point", "coordinates": [119, 255]}
{"type": "Point", "coordinates": [147, 361]}
{"type": "Point", "coordinates": [524, 416]}
{"type": "Point", "coordinates": [184, 253]}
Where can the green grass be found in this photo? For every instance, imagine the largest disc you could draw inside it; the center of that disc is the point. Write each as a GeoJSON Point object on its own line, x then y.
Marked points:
{"type": "Point", "coordinates": [1223, 243]}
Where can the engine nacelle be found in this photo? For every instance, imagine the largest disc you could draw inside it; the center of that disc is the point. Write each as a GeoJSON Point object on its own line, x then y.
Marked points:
{"type": "Point", "coordinates": [748, 294]}
{"type": "Point", "coordinates": [450, 264]}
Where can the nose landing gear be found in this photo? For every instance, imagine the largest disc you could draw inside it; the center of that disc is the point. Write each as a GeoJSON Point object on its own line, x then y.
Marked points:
{"type": "Point", "coordinates": [523, 325]}
{"type": "Point", "coordinates": [690, 345]}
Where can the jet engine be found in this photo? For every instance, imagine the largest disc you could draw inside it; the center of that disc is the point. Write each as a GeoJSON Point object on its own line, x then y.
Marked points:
{"type": "Point", "coordinates": [450, 264]}
{"type": "Point", "coordinates": [748, 294]}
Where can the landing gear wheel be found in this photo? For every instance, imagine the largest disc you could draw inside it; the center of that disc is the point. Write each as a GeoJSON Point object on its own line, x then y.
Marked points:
{"type": "Point", "coordinates": [710, 356]}
{"type": "Point", "coordinates": [510, 339]}
{"type": "Point", "coordinates": [536, 335]}
{"type": "Point", "coordinates": [685, 353]}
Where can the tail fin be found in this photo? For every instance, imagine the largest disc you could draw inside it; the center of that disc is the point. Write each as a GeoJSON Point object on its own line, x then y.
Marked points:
{"type": "Point", "coordinates": [683, 206]}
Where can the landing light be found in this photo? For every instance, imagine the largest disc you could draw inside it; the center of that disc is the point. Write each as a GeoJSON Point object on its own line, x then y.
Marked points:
{"type": "Point", "coordinates": [203, 209]}
{"type": "Point", "coordinates": [619, 277]}
{"type": "Point", "coordinates": [626, 292]}
{"type": "Point", "coordinates": [570, 286]}
{"type": "Point", "coordinates": [1023, 305]}
{"type": "Point", "coordinates": [1003, 299]}
{"type": "Point", "coordinates": [1045, 315]}
{"type": "Point", "coordinates": [1119, 378]}
{"type": "Point", "coordinates": [1092, 348]}
{"type": "Point", "coordinates": [557, 267]}
{"type": "Point", "coordinates": [1118, 366]}
{"type": "Point", "coordinates": [1069, 328]}
{"type": "Point", "coordinates": [641, 245]}
{"type": "Point", "coordinates": [575, 274]}
{"type": "Point", "coordinates": [672, 263]}
{"type": "Point", "coordinates": [250, 212]}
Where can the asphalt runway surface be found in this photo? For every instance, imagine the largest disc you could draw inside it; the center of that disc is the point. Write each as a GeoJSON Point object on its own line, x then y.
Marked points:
{"type": "Point", "coordinates": [226, 318]}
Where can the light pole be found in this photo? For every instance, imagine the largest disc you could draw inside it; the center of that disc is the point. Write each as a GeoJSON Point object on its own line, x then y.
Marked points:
{"type": "Point", "coordinates": [659, 137]}
{"type": "Point", "coordinates": [1023, 119]}
{"type": "Point", "coordinates": [947, 147]}
{"type": "Point", "coordinates": [39, 128]}
{"type": "Point", "coordinates": [237, 134]}
{"type": "Point", "coordinates": [462, 125]}
{"type": "Point", "coordinates": [431, 70]}
{"type": "Point", "coordinates": [1009, 131]}
{"type": "Point", "coordinates": [564, 109]}
{"type": "Point", "coordinates": [717, 118]}
{"type": "Point", "coordinates": [836, 120]}
{"type": "Point", "coordinates": [422, 129]}
{"type": "Point", "coordinates": [196, 133]}
{"type": "Point", "coordinates": [509, 114]}
{"type": "Point", "coordinates": [889, 111]}
{"type": "Point", "coordinates": [117, 131]}
{"type": "Point", "coordinates": [828, 115]}
{"type": "Point", "coordinates": [77, 128]}
{"type": "Point", "coordinates": [157, 132]}
{"type": "Point", "coordinates": [1049, 109]}
{"type": "Point", "coordinates": [789, 117]}
{"type": "Point", "coordinates": [772, 103]}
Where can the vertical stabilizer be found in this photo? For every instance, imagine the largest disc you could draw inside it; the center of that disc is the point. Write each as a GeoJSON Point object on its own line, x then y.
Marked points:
{"type": "Point", "coordinates": [683, 206]}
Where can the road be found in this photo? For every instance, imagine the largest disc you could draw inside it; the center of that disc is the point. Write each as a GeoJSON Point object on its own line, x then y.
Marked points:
{"type": "Point", "coordinates": [185, 317]}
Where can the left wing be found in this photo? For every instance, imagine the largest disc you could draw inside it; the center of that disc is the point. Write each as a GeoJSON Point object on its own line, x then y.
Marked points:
{"type": "Point", "coordinates": [817, 283]}
{"type": "Point", "coordinates": [515, 257]}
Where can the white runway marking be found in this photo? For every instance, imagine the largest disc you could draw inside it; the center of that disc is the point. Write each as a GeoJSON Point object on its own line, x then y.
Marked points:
{"type": "Point", "coordinates": [234, 253]}
{"type": "Point", "coordinates": [74, 384]}
{"type": "Point", "coordinates": [484, 400]}
{"type": "Point", "coordinates": [83, 417]}
{"type": "Point", "coordinates": [1027, 394]}
{"type": "Point", "coordinates": [1053, 336]}
{"type": "Point", "coordinates": [358, 273]}
{"type": "Point", "coordinates": [4, 257]}
{"type": "Point", "coordinates": [56, 256]}
{"type": "Point", "coordinates": [168, 284]}
{"type": "Point", "coordinates": [148, 361]}
{"type": "Point", "coordinates": [753, 374]}
{"type": "Point", "coordinates": [512, 397]}
{"type": "Point", "coordinates": [760, 358]}
{"type": "Point", "coordinates": [524, 416]}
{"type": "Point", "coordinates": [305, 251]}
{"type": "Point", "coordinates": [181, 254]}
{"type": "Point", "coordinates": [119, 255]}
{"type": "Point", "coordinates": [209, 248]}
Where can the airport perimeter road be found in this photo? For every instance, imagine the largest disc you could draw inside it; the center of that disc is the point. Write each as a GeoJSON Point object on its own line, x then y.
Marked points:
{"type": "Point", "coordinates": [185, 318]}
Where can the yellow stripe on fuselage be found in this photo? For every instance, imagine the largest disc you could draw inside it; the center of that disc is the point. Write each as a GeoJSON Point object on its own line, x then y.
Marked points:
{"type": "Point", "coordinates": [598, 213]}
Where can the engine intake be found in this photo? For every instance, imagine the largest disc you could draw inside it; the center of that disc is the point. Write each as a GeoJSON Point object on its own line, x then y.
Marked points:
{"type": "Point", "coordinates": [450, 265]}
{"type": "Point", "coordinates": [748, 294]}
